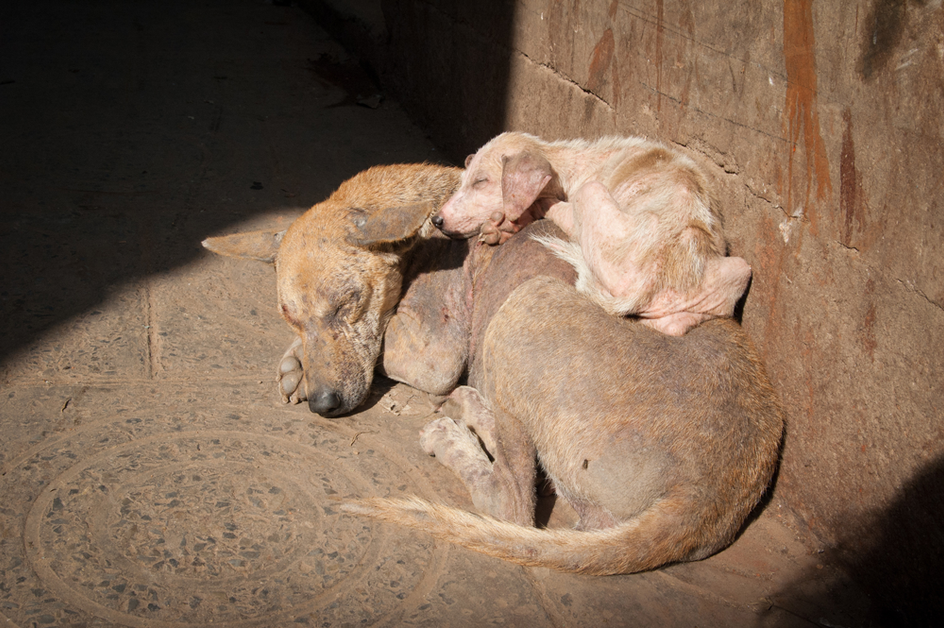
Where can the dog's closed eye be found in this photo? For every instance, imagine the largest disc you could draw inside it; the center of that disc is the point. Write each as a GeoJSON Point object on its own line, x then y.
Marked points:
{"type": "Point", "coordinates": [346, 308]}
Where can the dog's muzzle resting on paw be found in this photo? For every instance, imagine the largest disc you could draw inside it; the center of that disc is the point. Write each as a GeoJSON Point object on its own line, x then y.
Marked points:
{"type": "Point", "coordinates": [340, 269]}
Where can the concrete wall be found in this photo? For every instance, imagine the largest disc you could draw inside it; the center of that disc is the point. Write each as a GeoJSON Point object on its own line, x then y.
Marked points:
{"type": "Point", "coordinates": [822, 124]}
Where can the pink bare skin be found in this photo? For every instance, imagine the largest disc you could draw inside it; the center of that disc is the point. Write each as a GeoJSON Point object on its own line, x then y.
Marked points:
{"type": "Point", "coordinates": [726, 278]}
{"type": "Point", "coordinates": [498, 196]}
{"type": "Point", "coordinates": [646, 237]}
{"type": "Point", "coordinates": [612, 245]}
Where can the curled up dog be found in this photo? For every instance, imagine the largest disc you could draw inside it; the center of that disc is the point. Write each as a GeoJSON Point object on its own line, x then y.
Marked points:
{"type": "Point", "coordinates": [663, 445]}
{"type": "Point", "coordinates": [643, 230]}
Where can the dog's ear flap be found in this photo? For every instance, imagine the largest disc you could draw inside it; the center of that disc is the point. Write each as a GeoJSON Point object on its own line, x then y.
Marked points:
{"type": "Point", "coordinates": [388, 225]}
{"type": "Point", "coordinates": [258, 245]}
{"type": "Point", "coordinates": [524, 177]}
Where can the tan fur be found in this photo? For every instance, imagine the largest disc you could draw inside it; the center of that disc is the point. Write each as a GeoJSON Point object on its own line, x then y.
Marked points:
{"type": "Point", "coordinates": [662, 445]}
{"type": "Point", "coordinates": [339, 285]}
{"type": "Point", "coordinates": [640, 217]}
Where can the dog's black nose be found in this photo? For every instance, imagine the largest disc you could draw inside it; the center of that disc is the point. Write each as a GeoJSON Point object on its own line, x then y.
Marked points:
{"type": "Point", "coordinates": [437, 221]}
{"type": "Point", "coordinates": [324, 402]}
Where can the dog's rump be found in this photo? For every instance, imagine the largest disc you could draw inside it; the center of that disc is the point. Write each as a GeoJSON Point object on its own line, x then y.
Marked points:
{"type": "Point", "coordinates": [703, 399]}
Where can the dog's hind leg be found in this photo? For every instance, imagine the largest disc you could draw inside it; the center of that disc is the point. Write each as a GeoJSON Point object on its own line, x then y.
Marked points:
{"type": "Point", "coordinates": [291, 375]}
{"type": "Point", "coordinates": [458, 449]}
{"type": "Point", "coordinates": [499, 478]}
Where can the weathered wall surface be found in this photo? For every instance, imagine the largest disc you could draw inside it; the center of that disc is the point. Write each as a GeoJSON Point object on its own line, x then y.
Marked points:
{"type": "Point", "coordinates": [822, 124]}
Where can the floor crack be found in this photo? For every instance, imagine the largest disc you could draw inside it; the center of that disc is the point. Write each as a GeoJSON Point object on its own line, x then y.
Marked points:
{"type": "Point", "coordinates": [566, 79]}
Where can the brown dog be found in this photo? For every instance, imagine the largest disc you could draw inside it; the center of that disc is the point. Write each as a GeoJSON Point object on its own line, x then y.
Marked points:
{"type": "Point", "coordinates": [340, 279]}
{"type": "Point", "coordinates": [663, 445]}
{"type": "Point", "coordinates": [645, 236]}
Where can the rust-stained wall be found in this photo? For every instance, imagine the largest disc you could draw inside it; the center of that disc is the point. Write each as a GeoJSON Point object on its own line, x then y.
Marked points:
{"type": "Point", "coordinates": [822, 123]}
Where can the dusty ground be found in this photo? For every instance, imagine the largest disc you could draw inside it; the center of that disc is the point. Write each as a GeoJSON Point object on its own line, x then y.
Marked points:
{"type": "Point", "coordinates": [150, 476]}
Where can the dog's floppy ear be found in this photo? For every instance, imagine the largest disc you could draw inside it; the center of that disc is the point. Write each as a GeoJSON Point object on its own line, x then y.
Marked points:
{"type": "Point", "coordinates": [388, 225]}
{"type": "Point", "coordinates": [258, 245]}
{"type": "Point", "coordinates": [524, 177]}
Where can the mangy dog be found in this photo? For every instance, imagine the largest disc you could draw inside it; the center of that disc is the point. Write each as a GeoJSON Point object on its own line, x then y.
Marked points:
{"type": "Point", "coordinates": [340, 278]}
{"type": "Point", "coordinates": [644, 234]}
{"type": "Point", "coordinates": [663, 445]}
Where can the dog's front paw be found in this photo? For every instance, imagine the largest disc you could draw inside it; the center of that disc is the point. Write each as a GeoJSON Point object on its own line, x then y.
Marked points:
{"type": "Point", "coordinates": [291, 375]}
{"type": "Point", "coordinates": [497, 230]}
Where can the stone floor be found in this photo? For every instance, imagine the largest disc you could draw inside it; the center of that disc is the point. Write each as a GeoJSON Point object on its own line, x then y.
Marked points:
{"type": "Point", "coordinates": [149, 475]}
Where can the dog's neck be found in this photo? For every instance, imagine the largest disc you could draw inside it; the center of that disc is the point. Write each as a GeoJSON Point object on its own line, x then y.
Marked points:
{"type": "Point", "coordinates": [431, 318]}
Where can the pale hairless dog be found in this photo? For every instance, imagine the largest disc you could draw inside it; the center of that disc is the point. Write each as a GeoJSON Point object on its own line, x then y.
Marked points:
{"type": "Point", "coordinates": [644, 233]}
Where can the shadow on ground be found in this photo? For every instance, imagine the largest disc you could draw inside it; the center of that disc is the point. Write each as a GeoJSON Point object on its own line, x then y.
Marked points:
{"type": "Point", "coordinates": [133, 130]}
{"type": "Point", "coordinates": [901, 570]}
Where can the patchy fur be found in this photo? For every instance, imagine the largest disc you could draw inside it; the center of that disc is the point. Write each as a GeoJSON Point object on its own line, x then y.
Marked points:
{"type": "Point", "coordinates": [644, 232]}
{"type": "Point", "coordinates": [341, 274]}
{"type": "Point", "coordinates": [662, 445]}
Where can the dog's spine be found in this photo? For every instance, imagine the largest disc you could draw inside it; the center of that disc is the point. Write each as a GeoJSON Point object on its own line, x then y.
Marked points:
{"type": "Point", "coordinates": [643, 543]}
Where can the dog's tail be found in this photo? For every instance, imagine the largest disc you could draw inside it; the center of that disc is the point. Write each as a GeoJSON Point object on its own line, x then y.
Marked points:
{"type": "Point", "coordinates": [652, 539]}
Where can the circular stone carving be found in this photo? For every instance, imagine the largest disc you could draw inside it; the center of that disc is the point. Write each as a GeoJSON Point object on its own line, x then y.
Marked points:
{"type": "Point", "coordinates": [206, 525]}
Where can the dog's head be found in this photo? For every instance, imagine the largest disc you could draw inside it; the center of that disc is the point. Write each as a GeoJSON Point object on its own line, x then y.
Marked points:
{"type": "Point", "coordinates": [507, 175]}
{"type": "Point", "coordinates": [339, 273]}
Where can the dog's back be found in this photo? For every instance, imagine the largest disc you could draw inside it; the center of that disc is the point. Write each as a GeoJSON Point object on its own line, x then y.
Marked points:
{"type": "Point", "coordinates": [651, 233]}
{"type": "Point", "coordinates": [594, 390]}
{"type": "Point", "coordinates": [624, 417]}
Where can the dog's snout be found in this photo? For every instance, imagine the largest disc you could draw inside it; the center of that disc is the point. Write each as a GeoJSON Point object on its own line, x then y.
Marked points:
{"type": "Point", "coordinates": [437, 221]}
{"type": "Point", "coordinates": [324, 401]}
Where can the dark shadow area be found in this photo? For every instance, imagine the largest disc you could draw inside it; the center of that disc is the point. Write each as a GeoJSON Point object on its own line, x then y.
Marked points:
{"type": "Point", "coordinates": [903, 571]}
{"type": "Point", "coordinates": [739, 306]}
{"type": "Point", "coordinates": [378, 388]}
{"type": "Point", "coordinates": [896, 557]}
{"type": "Point", "coordinates": [884, 27]}
{"type": "Point", "coordinates": [446, 62]}
{"type": "Point", "coordinates": [547, 501]}
{"type": "Point", "coordinates": [131, 131]}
